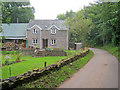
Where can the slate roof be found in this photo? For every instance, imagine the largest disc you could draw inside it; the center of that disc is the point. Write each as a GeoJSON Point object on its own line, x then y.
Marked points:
{"type": "Point", "coordinates": [46, 24]}
{"type": "Point", "coordinates": [14, 30]}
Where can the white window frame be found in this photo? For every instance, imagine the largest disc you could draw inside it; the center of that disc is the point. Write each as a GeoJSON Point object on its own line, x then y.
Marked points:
{"type": "Point", "coordinates": [34, 41]}
{"type": "Point", "coordinates": [35, 31]}
{"type": "Point", "coordinates": [53, 31]}
{"type": "Point", "coordinates": [53, 42]}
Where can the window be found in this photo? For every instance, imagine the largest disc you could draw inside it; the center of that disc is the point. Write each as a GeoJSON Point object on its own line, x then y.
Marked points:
{"type": "Point", "coordinates": [34, 30]}
{"type": "Point", "coordinates": [53, 42]}
{"type": "Point", "coordinates": [34, 41]}
{"type": "Point", "coordinates": [53, 31]}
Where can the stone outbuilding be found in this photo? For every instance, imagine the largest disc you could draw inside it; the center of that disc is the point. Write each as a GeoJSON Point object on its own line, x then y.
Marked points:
{"type": "Point", "coordinates": [78, 46]}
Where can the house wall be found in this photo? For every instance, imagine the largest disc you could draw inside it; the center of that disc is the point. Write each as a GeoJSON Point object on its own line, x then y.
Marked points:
{"type": "Point", "coordinates": [31, 36]}
{"type": "Point", "coordinates": [60, 37]}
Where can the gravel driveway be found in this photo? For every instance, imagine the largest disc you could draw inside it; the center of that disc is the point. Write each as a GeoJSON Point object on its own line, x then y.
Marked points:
{"type": "Point", "coordinates": [100, 72]}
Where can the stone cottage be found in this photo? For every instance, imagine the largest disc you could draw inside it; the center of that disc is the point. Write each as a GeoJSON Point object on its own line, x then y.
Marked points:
{"type": "Point", "coordinates": [47, 33]}
{"type": "Point", "coordinates": [38, 33]}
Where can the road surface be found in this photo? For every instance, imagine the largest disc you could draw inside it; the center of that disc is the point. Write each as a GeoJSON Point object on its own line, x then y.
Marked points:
{"type": "Point", "coordinates": [100, 72]}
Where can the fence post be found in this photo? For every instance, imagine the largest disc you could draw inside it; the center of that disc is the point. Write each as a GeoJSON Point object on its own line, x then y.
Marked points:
{"type": "Point", "coordinates": [45, 64]}
{"type": "Point", "coordinates": [10, 71]}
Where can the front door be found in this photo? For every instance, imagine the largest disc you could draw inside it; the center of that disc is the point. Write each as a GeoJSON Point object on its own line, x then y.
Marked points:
{"type": "Point", "coordinates": [45, 43]}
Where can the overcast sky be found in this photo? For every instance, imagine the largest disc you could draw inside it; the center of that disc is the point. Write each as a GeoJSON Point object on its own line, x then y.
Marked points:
{"type": "Point", "coordinates": [49, 9]}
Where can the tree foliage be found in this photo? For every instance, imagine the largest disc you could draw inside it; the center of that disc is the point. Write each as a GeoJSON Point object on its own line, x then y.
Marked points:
{"type": "Point", "coordinates": [96, 24]}
{"type": "Point", "coordinates": [105, 17]}
{"type": "Point", "coordinates": [14, 12]}
{"type": "Point", "coordinates": [68, 14]}
{"type": "Point", "coordinates": [79, 27]}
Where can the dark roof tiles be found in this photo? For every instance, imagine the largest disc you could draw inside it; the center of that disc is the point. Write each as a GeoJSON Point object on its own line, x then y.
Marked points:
{"type": "Point", "coordinates": [46, 24]}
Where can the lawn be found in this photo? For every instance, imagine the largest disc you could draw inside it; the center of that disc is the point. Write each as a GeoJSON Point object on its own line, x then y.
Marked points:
{"type": "Point", "coordinates": [55, 78]}
{"type": "Point", "coordinates": [30, 64]}
{"type": "Point", "coordinates": [12, 54]}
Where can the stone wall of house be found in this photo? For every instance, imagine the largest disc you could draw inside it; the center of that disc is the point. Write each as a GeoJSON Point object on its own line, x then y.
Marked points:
{"type": "Point", "coordinates": [31, 36]}
{"type": "Point", "coordinates": [60, 37]}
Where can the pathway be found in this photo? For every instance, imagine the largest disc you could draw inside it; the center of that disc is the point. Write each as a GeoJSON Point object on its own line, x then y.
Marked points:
{"type": "Point", "coordinates": [100, 72]}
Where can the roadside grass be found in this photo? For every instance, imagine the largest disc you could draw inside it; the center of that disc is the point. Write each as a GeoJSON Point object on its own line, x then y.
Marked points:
{"type": "Point", "coordinates": [30, 63]}
{"type": "Point", "coordinates": [114, 50]}
{"type": "Point", "coordinates": [55, 78]}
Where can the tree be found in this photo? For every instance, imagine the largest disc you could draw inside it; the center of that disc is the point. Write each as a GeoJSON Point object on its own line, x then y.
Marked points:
{"type": "Point", "coordinates": [79, 27]}
{"type": "Point", "coordinates": [115, 22]}
{"type": "Point", "coordinates": [68, 14]}
{"type": "Point", "coordinates": [104, 17]}
{"type": "Point", "coordinates": [61, 17]}
{"type": "Point", "coordinates": [14, 12]}
{"type": "Point", "coordinates": [0, 16]}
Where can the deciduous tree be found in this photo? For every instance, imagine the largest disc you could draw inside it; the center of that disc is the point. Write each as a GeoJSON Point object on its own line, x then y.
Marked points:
{"type": "Point", "coordinates": [14, 12]}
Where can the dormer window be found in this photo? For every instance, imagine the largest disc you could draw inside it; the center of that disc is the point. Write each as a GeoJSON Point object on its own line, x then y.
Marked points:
{"type": "Point", "coordinates": [53, 31]}
{"type": "Point", "coordinates": [34, 30]}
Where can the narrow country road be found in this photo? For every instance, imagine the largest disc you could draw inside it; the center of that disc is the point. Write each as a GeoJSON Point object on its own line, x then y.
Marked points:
{"type": "Point", "coordinates": [100, 72]}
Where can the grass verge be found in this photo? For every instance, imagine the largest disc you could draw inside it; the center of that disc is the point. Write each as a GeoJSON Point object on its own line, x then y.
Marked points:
{"type": "Point", "coordinates": [114, 50]}
{"type": "Point", "coordinates": [55, 78]}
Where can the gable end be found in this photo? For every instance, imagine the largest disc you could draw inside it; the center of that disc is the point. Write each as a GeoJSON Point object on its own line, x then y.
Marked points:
{"type": "Point", "coordinates": [35, 26]}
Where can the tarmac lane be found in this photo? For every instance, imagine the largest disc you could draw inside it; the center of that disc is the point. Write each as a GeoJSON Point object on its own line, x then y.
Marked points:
{"type": "Point", "coordinates": [100, 72]}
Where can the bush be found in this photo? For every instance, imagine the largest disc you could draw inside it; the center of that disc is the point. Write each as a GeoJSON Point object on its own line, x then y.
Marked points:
{"type": "Point", "coordinates": [7, 57]}
{"type": "Point", "coordinates": [6, 61]}
{"type": "Point", "coordinates": [9, 52]}
{"type": "Point", "coordinates": [18, 57]}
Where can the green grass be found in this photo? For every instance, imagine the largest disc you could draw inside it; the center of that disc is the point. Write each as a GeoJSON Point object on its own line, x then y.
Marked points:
{"type": "Point", "coordinates": [13, 57]}
{"type": "Point", "coordinates": [72, 52]}
{"type": "Point", "coordinates": [30, 64]}
{"type": "Point", "coordinates": [55, 78]}
{"type": "Point", "coordinates": [112, 49]}
{"type": "Point", "coordinates": [25, 66]}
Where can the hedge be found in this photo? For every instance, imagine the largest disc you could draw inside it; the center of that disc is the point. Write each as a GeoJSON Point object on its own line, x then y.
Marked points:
{"type": "Point", "coordinates": [9, 52]}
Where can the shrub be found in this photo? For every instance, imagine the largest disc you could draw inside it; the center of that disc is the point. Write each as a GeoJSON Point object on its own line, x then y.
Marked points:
{"type": "Point", "coordinates": [9, 52]}
{"type": "Point", "coordinates": [7, 57]}
{"type": "Point", "coordinates": [6, 62]}
{"type": "Point", "coordinates": [18, 57]}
